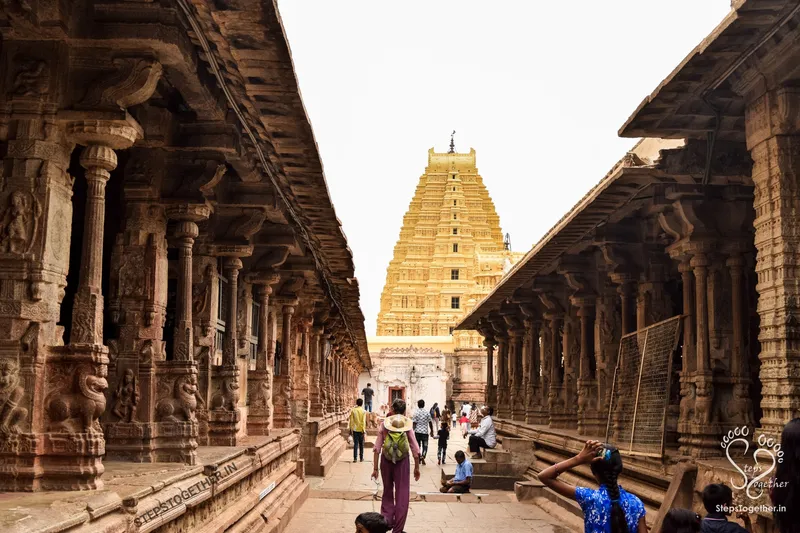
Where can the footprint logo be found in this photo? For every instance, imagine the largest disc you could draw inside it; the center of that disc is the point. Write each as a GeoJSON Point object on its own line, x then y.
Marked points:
{"type": "Point", "coordinates": [736, 437]}
{"type": "Point", "coordinates": [770, 449]}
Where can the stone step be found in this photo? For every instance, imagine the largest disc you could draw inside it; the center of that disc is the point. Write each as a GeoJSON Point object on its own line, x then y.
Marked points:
{"type": "Point", "coordinates": [489, 481]}
{"type": "Point", "coordinates": [430, 497]}
{"type": "Point", "coordinates": [497, 456]}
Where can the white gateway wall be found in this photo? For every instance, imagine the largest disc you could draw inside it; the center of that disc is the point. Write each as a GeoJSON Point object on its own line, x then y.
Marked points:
{"type": "Point", "coordinates": [419, 373]}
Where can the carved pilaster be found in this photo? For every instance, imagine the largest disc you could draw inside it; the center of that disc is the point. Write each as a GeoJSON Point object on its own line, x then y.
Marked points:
{"type": "Point", "coordinates": [224, 413]}
{"type": "Point", "coordinates": [260, 381]}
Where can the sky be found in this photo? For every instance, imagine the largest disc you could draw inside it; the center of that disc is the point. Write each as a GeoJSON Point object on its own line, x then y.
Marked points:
{"type": "Point", "coordinates": [539, 89]}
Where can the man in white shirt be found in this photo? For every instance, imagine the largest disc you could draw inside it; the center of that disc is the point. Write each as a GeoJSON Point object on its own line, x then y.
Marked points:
{"type": "Point", "coordinates": [485, 436]}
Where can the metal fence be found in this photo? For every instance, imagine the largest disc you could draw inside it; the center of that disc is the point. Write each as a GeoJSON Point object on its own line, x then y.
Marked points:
{"type": "Point", "coordinates": [640, 392]}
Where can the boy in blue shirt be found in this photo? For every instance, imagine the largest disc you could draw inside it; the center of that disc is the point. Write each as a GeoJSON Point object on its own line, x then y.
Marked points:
{"type": "Point", "coordinates": [463, 478]}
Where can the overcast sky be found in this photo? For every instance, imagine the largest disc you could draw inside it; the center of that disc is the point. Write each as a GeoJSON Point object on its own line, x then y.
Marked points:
{"type": "Point", "coordinates": [539, 89]}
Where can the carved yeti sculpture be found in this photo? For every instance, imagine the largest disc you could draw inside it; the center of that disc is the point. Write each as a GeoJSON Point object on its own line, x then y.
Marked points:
{"type": "Point", "coordinates": [11, 393]}
{"type": "Point", "coordinates": [182, 406]}
{"type": "Point", "coordinates": [79, 411]}
{"type": "Point", "coordinates": [226, 398]}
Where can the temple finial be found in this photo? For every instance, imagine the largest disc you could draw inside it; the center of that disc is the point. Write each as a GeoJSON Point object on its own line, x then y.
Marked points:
{"type": "Point", "coordinates": [452, 143]}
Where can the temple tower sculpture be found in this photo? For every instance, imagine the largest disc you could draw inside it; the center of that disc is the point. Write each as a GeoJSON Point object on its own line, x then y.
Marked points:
{"type": "Point", "coordinates": [450, 254]}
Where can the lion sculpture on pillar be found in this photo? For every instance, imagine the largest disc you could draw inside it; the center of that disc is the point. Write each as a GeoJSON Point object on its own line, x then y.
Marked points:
{"type": "Point", "coordinates": [79, 411]}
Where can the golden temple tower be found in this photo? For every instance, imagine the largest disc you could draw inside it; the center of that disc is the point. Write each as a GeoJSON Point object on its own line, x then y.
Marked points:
{"type": "Point", "coordinates": [450, 254]}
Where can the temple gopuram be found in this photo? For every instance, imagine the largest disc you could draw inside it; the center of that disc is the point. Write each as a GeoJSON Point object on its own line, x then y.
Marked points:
{"type": "Point", "coordinates": [180, 331]}
{"type": "Point", "coordinates": [450, 254]}
{"type": "Point", "coordinates": [661, 312]}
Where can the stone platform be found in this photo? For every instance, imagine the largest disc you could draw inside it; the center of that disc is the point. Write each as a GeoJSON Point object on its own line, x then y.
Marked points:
{"type": "Point", "coordinates": [322, 443]}
{"type": "Point", "coordinates": [254, 487]}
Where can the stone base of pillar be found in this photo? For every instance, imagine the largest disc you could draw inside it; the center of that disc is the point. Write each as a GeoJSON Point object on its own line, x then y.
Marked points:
{"type": "Point", "coordinates": [224, 415]}
{"type": "Point", "coordinates": [322, 445]}
{"type": "Point", "coordinates": [176, 442]}
{"type": "Point", "coordinates": [177, 427]}
{"type": "Point", "coordinates": [130, 441]}
{"type": "Point", "coordinates": [223, 428]}
{"type": "Point", "coordinates": [537, 415]}
{"type": "Point", "coordinates": [281, 399]}
{"type": "Point", "coordinates": [517, 407]}
{"type": "Point", "coordinates": [259, 415]}
{"type": "Point", "coordinates": [68, 454]}
{"type": "Point", "coordinates": [592, 423]}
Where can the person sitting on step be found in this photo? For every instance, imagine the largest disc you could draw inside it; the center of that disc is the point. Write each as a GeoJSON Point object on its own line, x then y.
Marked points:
{"type": "Point", "coordinates": [485, 436]}
{"type": "Point", "coordinates": [462, 480]}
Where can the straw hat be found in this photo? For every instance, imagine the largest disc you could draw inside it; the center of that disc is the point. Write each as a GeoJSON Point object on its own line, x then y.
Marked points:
{"type": "Point", "coordinates": [397, 423]}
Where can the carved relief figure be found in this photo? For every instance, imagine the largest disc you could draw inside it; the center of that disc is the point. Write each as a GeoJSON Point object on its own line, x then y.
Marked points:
{"type": "Point", "coordinates": [261, 395]}
{"type": "Point", "coordinates": [227, 396]}
{"type": "Point", "coordinates": [19, 223]}
{"type": "Point", "coordinates": [182, 405]}
{"type": "Point", "coordinates": [79, 410]}
{"type": "Point", "coordinates": [11, 393]}
{"type": "Point", "coordinates": [126, 397]}
{"type": "Point", "coordinates": [32, 78]}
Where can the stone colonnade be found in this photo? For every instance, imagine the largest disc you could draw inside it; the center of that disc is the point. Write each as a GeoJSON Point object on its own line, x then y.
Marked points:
{"type": "Point", "coordinates": [152, 326]}
{"type": "Point", "coordinates": [553, 346]}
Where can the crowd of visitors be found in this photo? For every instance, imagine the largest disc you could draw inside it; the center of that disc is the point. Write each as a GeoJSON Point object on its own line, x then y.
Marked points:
{"type": "Point", "coordinates": [607, 509]}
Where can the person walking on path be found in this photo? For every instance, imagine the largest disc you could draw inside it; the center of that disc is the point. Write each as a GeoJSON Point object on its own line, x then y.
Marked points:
{"type": "Point", "coordinates": [609, 509]}
{"type": "Point", "coordinates": [395, 442]}
{"type": "Point", "coordinates": [485, 436]}
{"type": "Point", "coordinates": [358, 426]}
{"type": "Point", "coordinates": [423, 428]}
{"type": "Point", "coordinates": [474, 416]}
{"type": "Point", "coordinates": [443, 436]}
{"type": "Point", "coordinates": [464, 425]}
{"type": "Point", "coordinates": [463, 478]}
{"type": "Point", "coordinates": [435, 414]}
{"type": "Point", "coordinates": [446, 412]}
{"type": "Point", "coordinates": [368, 393]}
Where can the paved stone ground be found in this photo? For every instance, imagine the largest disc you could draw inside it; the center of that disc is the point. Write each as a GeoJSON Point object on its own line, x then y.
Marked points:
{"type": "Point", "coordinates": [336, 501]}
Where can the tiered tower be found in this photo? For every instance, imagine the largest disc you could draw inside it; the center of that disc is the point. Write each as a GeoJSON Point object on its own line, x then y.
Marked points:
{"type": "Point", "coordinates": [450, 254]}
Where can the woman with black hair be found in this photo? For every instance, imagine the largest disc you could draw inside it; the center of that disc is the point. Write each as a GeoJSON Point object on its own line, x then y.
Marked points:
{"type": "Point", "coordinates": [785, 486]}
{"type": "Point", "coordinates": [609, 509]}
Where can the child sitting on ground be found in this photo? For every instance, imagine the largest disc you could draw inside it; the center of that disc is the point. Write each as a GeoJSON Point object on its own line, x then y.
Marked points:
{"type": "Point", "coordinates": [444, 434]}
{"type": "Point", "coordinates": [371, 523]}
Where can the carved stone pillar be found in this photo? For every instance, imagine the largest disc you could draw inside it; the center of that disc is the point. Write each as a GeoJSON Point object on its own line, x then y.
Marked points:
{"type": "Point", "coordinates": [73, 442]}
{"type": "Point", "coordinates": [177, 393]}
{"type": "Point", "coordinates": [608, 331]}
{"type": "Point", "coordinates": [589, 420]}
{"type": "Point", "coordinates": [554, 397]}
{"type": "Point", "coordinates": [301, 401]}
{"type": "Point", "coordinates": [259, 381]}
{"type": "Point", "coordinates": [502, 373]}
{"type": "Point", "coordinates": [740, 407]}
{"type": "Point", "coordinates": [570, 348]}
{"type": "Point", "coordinates": [489, 343]}
{"type": "Point", "coordinates": [324, 377]}
{"type": "Point", "coordinates": [516, 405]}
{"type": "Point", "coordinates": [772, 137]}
{"type": "Point", "coordinates": [282, 393]}
{"type": "Point", "coordinates": [626, 290]}
{"type": "Point", "coordinates": [317, 350]}
{"type": "Point", "coordinates": [224, 416]}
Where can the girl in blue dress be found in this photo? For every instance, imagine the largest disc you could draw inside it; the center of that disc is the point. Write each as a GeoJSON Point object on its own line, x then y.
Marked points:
{"type": "Point", "coordinates": [609, 509]}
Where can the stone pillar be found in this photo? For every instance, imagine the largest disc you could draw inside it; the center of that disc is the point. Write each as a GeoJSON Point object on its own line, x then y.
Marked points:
{"type": "Point", "coordinates": [626, 290]}
{"type": "Point", "coordinates": [502, 373]}
{"type": "Point", "coordinates": [740, 407]}
{"type": "Point", "coordinates": [317, 350]}
{"type": "Point", "coordinates": [608, 330]}
{"type": "Point", "coordinates": [554, 398]}
{"type": "Point", "coordinates": [571, 352]}
{"type": "Point", "coordinates": [772, 138]}
{"type": "Point", "coordinates": [534, 413]}
{"type": "Point", "coordinates": [589, 421]}
{"type": "Point", "coordinates": [259, 381]}
{"type": "Point", "coordinates": [325, 377]}
{"type": "Point", "coordinates": [301, 376]}
{"type": "Point", "coordinates": [178, 395]}
{"type": "Point", "coordinates": [73, 441]}
{"type": "Point", "coordinates": [282, 392]}
{"type": "Point", "coordinates": [224, 414]}
{"type": "Point", "coordinates": [699, 437]}
{"type": "Point", "coordinates": [517, 397]}
{"type": "Point", "coordinates": [489, 343]}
